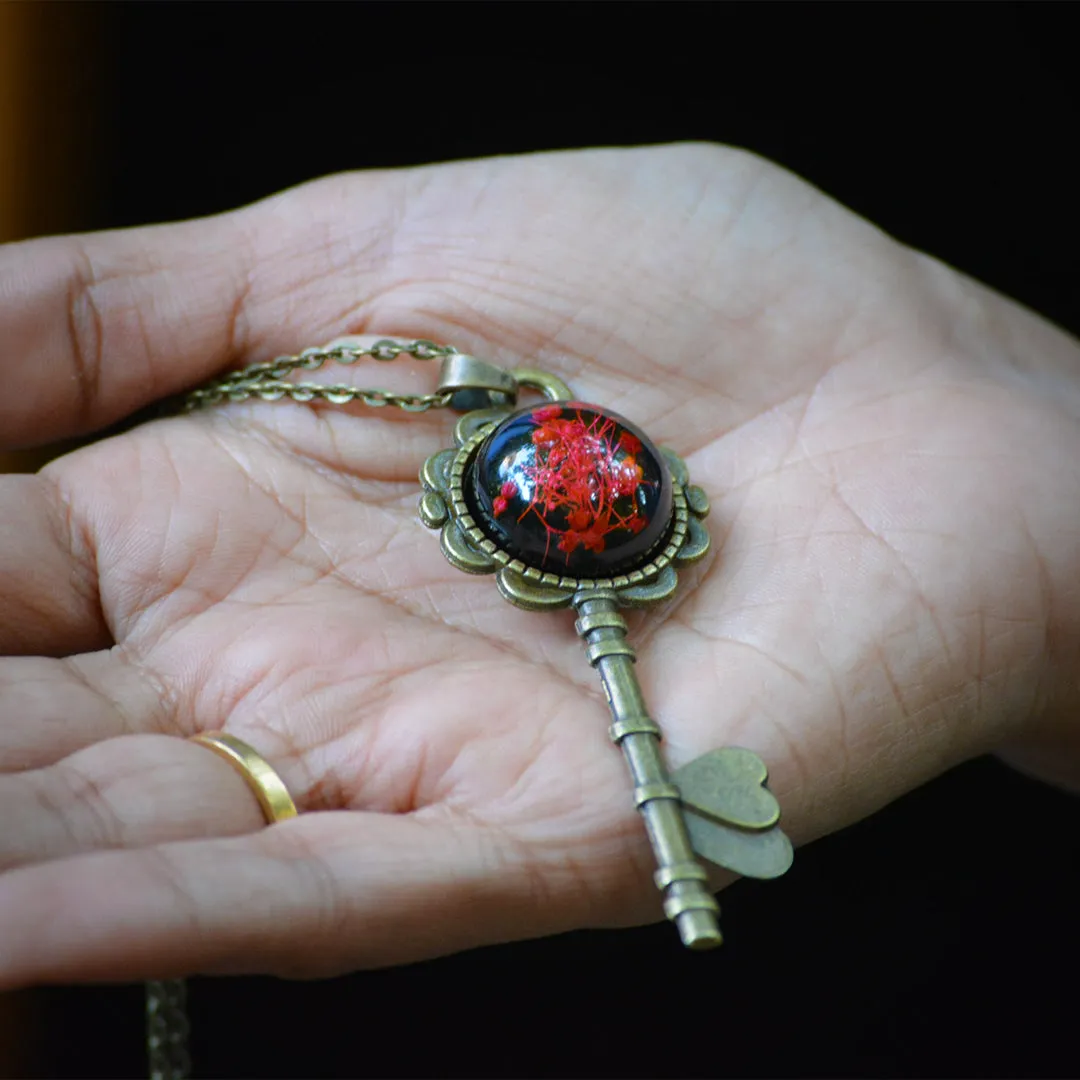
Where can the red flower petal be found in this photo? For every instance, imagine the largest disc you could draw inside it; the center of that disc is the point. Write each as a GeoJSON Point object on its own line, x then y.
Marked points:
{"type": "Point", "coordinates": [570, 541]}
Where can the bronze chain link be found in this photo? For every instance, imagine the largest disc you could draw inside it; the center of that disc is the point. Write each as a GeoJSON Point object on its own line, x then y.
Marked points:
{"type": "Point", "coordinates": [267, 381]}
{"type": "Point", "coordinates": [167, 1025]}
{"type": "Point", "coordinates": [167, 1030]}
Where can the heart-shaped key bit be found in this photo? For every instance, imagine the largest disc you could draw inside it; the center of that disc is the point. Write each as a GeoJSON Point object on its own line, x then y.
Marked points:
{"type": "Point", "coordinates": [759, 854]}
{"type": "Point", "coordinates": [728, 785]}
{"type": "Point", "coordinates": [730, 816]}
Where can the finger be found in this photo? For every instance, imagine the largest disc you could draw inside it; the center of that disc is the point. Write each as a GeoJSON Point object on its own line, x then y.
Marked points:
{"type": "Point", "coordinates": [125, 793]}
{"type": "Point", "coordinates": [47, 575]}
{"type": "Point", "coordinates": [52, 708]}
{"type": "Point", "coordinates": [94, 327]}
{"type": "Point", "coordinates": [318, 895]}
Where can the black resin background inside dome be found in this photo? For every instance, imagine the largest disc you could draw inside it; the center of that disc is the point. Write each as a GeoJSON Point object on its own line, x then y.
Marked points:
{"type": "Point", "coordinates": [572, 489]}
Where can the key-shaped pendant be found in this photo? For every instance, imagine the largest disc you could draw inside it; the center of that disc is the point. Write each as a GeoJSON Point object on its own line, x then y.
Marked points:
{"type": "Point", "coordinates": [570, 505]}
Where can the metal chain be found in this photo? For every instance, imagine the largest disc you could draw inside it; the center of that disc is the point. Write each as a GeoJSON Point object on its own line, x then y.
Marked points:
{"type": "Point", "coordinates": [167, 1025]}
{"type": "Point", "coordinates": [167, 1030]}
{"type": "Point", "coordinates": [267, 380]}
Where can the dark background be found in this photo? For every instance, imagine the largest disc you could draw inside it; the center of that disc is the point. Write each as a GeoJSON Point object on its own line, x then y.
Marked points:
{"type": "Point", "coordinates": [938, 938]}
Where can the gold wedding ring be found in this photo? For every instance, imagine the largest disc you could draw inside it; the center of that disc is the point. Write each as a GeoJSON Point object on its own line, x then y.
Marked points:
{"type": "Point", "coordinates": [265, 784]}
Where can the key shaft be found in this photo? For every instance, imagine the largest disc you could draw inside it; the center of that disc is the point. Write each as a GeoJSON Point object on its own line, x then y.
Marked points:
{"type": "Point", "coordinates": [688, 902]}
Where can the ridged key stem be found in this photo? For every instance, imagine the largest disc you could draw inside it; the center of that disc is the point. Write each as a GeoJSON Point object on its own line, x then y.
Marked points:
{"type": "Point", "coordinates": [688, 901]}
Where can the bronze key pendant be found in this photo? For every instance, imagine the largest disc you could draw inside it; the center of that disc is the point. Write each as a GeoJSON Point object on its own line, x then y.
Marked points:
{"type": "Point", "coordinates": [570, 505]}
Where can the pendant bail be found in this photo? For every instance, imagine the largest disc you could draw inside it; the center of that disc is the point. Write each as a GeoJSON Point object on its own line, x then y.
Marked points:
{"type": "Point", "coordinates": [475, 384]}
{"type": "Point", "coordinates": [550, 386]}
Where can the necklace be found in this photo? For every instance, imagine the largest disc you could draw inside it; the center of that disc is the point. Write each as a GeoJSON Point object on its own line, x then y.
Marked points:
{"type": "Point", "coordinates": [569, 506]}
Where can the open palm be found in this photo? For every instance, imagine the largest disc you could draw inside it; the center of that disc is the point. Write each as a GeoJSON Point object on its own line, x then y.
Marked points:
{"type": "Point", "coordinates": [887, 447]}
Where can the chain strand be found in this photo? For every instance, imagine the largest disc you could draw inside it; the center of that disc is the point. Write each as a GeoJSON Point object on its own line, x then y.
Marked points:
{"type": "Point", "coordinates": [267, 381]}
{"type": "Point", "coordinates": [167, 1030]}
{"type": "Point", "coordinates": [167, 1026]}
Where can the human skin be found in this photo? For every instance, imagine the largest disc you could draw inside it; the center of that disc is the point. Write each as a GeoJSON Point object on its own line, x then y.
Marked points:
{"type": "Point", "coordinates": [889, 449]}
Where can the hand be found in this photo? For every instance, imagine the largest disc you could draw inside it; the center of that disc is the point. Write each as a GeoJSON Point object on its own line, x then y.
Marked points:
{"type": "Point", "coordinates": [890, 450]}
